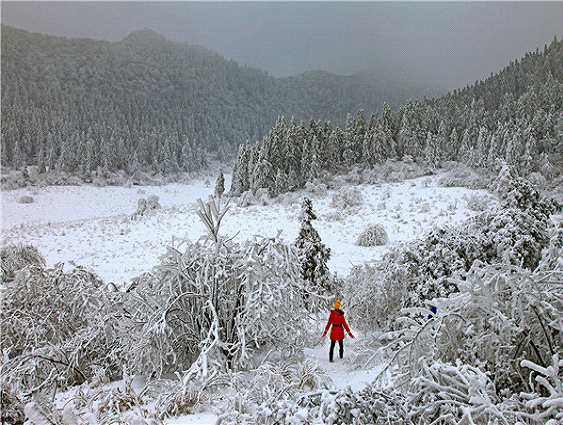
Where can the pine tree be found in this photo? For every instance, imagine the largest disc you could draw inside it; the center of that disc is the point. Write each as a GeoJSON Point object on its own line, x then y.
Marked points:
{"type": "Point", "coordinates": [453, 141]}
{"type": "Point", "coordinates": [41, 159]}
{"type": "Point", "coordinates": [17, 157]}
{"type": "Point", "coordinates": [220, 184]}
{"type": "Point", "coordinates": [312, 252]}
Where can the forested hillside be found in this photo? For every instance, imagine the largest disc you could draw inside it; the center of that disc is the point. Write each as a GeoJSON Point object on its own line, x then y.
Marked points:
{"type": "Point", "coordinates": [145, 103]}
{"type": "Point", "coordinates": [515, 116]}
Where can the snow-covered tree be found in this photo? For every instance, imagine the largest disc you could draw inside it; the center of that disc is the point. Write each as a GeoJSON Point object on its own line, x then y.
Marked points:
{"type": "Point", "coordinates": [313, 254]}
{"type": "Point", "coordinates": [220, 184]}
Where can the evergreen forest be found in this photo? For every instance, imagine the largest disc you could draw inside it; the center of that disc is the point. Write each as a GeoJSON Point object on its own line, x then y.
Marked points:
{"type": "Point", "coordinates": [146, 104]}
{"type": "Point", "coordinates": [513, 117]}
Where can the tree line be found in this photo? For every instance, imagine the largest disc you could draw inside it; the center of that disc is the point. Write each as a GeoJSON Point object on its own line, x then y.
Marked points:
{"type": "Point", "coordinates": [515, 116]}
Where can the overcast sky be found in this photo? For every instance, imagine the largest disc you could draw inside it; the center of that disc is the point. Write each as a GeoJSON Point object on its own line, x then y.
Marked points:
{"type": "Point", "coordinates": [454, 44]}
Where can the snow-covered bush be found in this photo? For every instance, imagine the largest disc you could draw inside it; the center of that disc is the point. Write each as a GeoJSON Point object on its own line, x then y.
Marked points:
{"type": "Point", "coordinates": [330, 407]}
{"type": "Point", "coordinates": [26, 199]}
{"type": "Point", "coordinates": [17, 257]}
{"type": "Point", "coordinates": [334, 216]}
{"type": "Point", "coordinates": [57, 329]}
{"type": "Point", "coordinates": [546, 400]}
{"type": "Point", "coordinates": [281, 380]}
{"type": "Point", "coordinates": [375, 295]}
{"type": "Point", "coordinates": [316, 188]}
{"type": "Point", "coordinates": [552, 255]}
{"type": "Point", "coordinates": [152, 202]}
{"type": "Point", "coordinates": [247, 199]}
{"type": "Point", "coordinates": [516, 236]}
{"type": "Point", "coordinates": [209, 306]}
{"type": "Point", "coordinates": [347, 197]}
{"type": "Point", "coordinates": [477, 203]}
{"type": "Point", "coordinates": [469, 359]}
{"type": "Point", "coordinates": [115, 404]}
{"type": "Point", "coordinates": [175, 398]}
{"type": "Point", "coordinates": [11, 407]}
{"type": "Point", "coordinates": [373, 235]}
{"type": "Point", "coordinates": [519, 193]}
{"type": "Point", "coordinates": [146, 205]}
{"type": "Point", "coordinates": [465, 176]}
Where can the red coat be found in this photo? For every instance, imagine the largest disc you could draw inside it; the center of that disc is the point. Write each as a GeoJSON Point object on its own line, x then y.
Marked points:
{"type": "Point", "coordinates": [336, 319]}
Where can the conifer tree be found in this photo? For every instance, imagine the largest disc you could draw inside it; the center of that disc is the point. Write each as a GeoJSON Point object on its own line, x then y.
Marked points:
{"type": "Point", "coordinates": [220, 184]}
{"type": "Point", "coordinates": [41, 160]}
{"type": "Point", "coordinates": [312, 252]}
{"type": "Point", "coordinates": [17, 156]}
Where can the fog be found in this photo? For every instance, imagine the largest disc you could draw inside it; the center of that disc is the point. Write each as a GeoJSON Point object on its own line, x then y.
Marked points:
{"type": "Point", "coordinates": [450, 44]}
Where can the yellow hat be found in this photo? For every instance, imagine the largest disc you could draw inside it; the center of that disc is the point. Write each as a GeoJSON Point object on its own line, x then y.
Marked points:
{"type": "Point", "coordinates": [337, 305]}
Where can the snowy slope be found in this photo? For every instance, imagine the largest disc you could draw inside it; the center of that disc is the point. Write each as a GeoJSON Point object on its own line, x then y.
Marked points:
{"type": "Point", "coordinates": [95, 227]}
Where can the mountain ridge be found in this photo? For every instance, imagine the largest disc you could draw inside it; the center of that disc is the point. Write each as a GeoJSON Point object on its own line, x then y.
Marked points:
{"type": "Point", "coordinates": [129, 101]}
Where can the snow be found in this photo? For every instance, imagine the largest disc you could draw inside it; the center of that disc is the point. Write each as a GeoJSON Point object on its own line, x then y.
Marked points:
{"type": "Point", "coordinates": [96, 227]}
{"type": "Point", "coordinates": [342, 372]}
{"type": "Point", "coordinates": [195, 419]}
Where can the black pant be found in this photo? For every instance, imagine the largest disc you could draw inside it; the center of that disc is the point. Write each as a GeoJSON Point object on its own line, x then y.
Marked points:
{"type": "Point", "coordinates": [341, 349]}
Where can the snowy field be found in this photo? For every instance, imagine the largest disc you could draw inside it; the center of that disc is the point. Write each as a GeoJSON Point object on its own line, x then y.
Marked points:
{"type": "Point", "coordinates": [95, 226]}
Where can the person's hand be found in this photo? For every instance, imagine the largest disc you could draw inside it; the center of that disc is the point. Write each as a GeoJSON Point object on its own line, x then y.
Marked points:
{"type": "Point", "coordinates": [352, 336]}
{"type": "Point", "coordinates": [324, 334]}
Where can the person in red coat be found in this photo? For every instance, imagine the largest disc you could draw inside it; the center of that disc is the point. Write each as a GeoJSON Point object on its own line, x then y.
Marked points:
{"type": "Point", "coordinates": [336, 319]}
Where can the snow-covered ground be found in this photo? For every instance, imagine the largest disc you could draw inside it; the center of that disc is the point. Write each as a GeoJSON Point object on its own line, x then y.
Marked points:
{"type": "Point", "coordinates": [95, 227]}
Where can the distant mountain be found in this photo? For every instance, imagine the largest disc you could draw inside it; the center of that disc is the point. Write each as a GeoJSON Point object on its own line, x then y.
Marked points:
{"type": "Point", "coordinates": [148, 103]}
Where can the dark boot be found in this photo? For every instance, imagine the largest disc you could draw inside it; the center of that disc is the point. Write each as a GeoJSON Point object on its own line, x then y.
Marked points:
{"type": "Point", "coordinates": [331, 351]}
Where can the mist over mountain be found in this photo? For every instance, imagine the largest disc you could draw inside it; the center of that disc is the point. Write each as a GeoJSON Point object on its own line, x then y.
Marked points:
{"type": "Point", "coordinates": [146, 102]}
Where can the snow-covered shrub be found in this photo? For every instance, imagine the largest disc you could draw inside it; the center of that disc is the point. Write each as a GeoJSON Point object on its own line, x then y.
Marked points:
{"type": "Point", "coordinates": [42, 411]}
{"type": "Point", "coordinates": [212, 304]}
{"type": "Point", "coordinates": [476, 202]}
{"type": "Point", "coordinates": [247, 199]}
{"type": "Point", "coordinates": [17, 257]}
{"type": "Point", "coordinates": [289, 198]}
{"type": "Point", "coordinates": [330, 407]}
{"type": "Point", "coordinates": [11, 407]}
{"type": "Point", "coordinates": [56, 329]}
{"type": "Point", "coordinates": [503, 320]}
{"type": "Point", "coordinates": [519, 193]}
{"type": "Point", "coordinates": [334, 216]}
{"type": "Point", "coordinates": [347, 197]}
{"type": "Point", "coordinates": [373, 235]}
{"type": "Point", "coordinates": [399, 171]}
{"type": "Point", "coordinates": [552, 255]}
{"type": "Point", "coordinates": [316, 188]}
{"type": "Point", "coordinates": [152, 202]}
{"type": "Point", "coordinates": [26, 199]}
{"type": "Point", "coordinates": [115, 404]}
{"type": "Point", "coordinates": [547, 399]}
{"type": "Point", "coordinates": [456, 393]}
{"type": "Point", "coordinates": [176, 398]}
{"type": "Point", "coordinates": [537, 180]}
{"type": "Point", "coordinates": [141, 206]}
{"type": "Point", "coordinates": [375, 295]}
{"type": "Point", "coordinates": [516, 236]}
{"type": "Point", "coordinates": [146, 205]}
{"type": "Point", "coordinates": [282, 380]}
